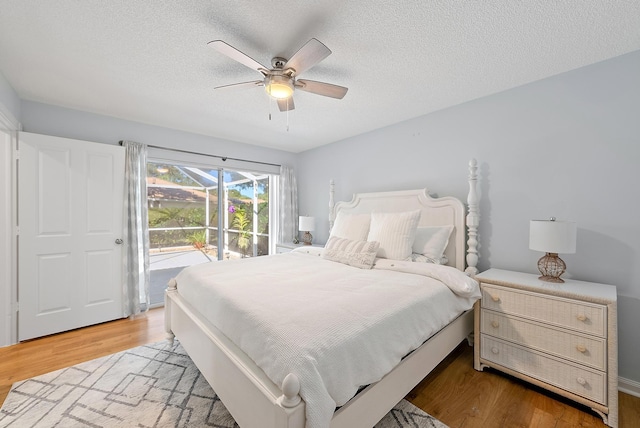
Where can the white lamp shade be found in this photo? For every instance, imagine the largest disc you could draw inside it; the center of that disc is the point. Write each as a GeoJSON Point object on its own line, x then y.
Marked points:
{"type": "Point", "coordinates": [553, 236]}
{"type": "Point", "coordinates": [306, 224]}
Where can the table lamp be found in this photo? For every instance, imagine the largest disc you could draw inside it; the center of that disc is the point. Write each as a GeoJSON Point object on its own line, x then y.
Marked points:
{"type": "Point", "coordinates": [552, 237]}
{"type": "Point", "coordinates": [306, 225]}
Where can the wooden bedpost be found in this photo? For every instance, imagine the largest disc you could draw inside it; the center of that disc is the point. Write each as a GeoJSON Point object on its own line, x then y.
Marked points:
{"type": "Point", "coordinates": [332, 206]}
{"type": "Point", "coordinates": [473, 220]}
{"type": "Point", "coordinates": [172, 287]}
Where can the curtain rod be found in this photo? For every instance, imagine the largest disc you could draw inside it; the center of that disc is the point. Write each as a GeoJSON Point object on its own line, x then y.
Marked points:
{"type": "Point", "coordinates": [224, 158]}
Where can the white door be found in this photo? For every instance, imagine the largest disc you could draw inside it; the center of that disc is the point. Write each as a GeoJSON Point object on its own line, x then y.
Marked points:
{"type": "Point", "coordinates": [70, 209]}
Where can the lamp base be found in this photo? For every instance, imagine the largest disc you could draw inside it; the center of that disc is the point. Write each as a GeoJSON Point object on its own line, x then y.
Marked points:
{"type": "Point", "coordinates": [306, 238]}
{"type": "Point", "coordinates": [551, 267]}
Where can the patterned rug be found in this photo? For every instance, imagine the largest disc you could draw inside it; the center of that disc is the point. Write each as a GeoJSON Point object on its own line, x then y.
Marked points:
{"type": "Point", "coordinates": [155, 385]}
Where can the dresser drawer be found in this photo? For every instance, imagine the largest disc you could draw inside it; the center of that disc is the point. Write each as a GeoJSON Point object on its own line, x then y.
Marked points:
{"type": "Point", "coordinates": [576, 315]}
{"type": "Point", "coordinates": [582, 381]}
{"type": "Point", "coordinates": [581, 348]}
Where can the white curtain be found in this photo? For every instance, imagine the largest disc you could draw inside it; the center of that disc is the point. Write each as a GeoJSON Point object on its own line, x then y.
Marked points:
{"type": "Point", "coordinates": [288, 206]}
{"type": "Point", "coordinates": [136, 230]}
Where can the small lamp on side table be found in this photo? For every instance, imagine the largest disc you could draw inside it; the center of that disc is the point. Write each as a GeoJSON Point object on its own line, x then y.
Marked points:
{"type": "Point", "coordinates": [306, 225]}
{"type": "Point", "coordinates": [552, 237]}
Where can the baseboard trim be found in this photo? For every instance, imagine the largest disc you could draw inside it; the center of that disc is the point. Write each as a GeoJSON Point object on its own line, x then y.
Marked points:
{"type": "Point", "coordinates": [629, 386]}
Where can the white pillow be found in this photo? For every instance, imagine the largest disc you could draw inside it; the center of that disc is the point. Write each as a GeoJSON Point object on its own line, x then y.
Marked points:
{"type": "Point", "coordinates": [351, 226]}
{"type": "Point", "coordinates": [432, 241]}
{"type": "Point", "coordinates": [395, 232]}
{"type": "Point", "coordinates": [360, 254]}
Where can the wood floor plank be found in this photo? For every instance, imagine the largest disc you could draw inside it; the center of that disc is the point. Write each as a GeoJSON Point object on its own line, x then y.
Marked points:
{"type": "Point", "coordinates": [453, 392]}
{"type": "Point", "coordinates": [629, 410]}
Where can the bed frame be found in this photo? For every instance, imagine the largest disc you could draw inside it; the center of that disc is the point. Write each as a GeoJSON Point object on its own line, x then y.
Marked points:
{"type": "Point", "coordinates": [256, 402]}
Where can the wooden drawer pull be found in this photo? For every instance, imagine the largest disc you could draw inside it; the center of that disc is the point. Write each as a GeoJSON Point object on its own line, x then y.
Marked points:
{"type": "Point", "coordinates": [495, 350]}
{"type": "Point", "coordinates": [495, 298]}
{"type": "Point", "coordinates": [581, 348]}
{"type": "Point", "coordinates": [582, 317]}
{"type": "Point", "coordinates": [495, 324]}
{"type": "Point", "coordinates": [581, 381]}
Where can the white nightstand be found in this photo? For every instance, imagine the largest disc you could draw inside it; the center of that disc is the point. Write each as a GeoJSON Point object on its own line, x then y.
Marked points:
{"type": "Point", "coordinates": [561, 337]}
{"type": "Point", "coordinates": [285, 248]}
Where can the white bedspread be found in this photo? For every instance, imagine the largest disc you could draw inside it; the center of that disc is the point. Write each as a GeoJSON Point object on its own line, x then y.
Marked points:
{"type": "Point", "coordinates": [334, 326]}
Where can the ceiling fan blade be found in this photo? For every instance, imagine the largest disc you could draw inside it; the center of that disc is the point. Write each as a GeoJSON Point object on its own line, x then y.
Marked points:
{"type": "Point", "coordinates": [286, 104]}
{"type": "Point", "coordinates": [320, 88]}
{"type": "Point", "coordinates": [235, 54]}
{"type": "Point", "coordinates": [241, 85]}
{"type": "Point", "coordinates": [307, 56]}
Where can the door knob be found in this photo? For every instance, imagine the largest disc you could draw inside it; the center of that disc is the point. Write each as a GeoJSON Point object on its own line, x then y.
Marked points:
{"type": "Point", "coordinates": [119, 241]}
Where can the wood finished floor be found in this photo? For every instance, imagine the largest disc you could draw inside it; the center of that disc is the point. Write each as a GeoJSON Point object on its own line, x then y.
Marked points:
{"type": "Point", "coordinates": [462, 397]}
{"type": "Point", "coordinates": [454, 392]}
{"type": "Point", "coordinates": [39, 356]}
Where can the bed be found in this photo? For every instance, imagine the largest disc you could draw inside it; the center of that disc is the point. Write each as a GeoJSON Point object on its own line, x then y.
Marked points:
{"type": "Point", "coordinates": [266, 362]}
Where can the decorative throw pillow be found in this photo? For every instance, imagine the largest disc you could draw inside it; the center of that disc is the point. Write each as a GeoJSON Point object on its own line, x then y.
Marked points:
{"type": "Point", "coordinates": [395, 232]}
{"type": "Point", "coordinates": [360, 254]}
{"type": "Point", "coordinates": [351, 226]}
{"type": "Point", "coordinates": [432, 241]}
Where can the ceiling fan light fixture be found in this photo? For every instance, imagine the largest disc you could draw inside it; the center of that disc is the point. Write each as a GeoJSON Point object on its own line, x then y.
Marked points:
{"type": "Point", "coordinates": [279, 87]}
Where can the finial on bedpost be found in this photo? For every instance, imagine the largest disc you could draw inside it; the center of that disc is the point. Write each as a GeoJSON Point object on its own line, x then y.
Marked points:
{"type": "Point", "coordinates": [290, 391]}
{"type": "Point", "coordinates": [473, 220]}
{"type": "Point", "coordinates": [172, 287]}
{"type": "Point", "coordinates": [332, 206]}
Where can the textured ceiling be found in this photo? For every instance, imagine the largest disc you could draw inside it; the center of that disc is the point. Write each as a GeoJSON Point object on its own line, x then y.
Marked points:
{"type": "Point", "coordinates": [148, 61]}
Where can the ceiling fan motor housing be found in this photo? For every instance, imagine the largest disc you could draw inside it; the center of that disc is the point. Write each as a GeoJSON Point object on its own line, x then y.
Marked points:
{"type": "Point", "coordinates": [278, 62]}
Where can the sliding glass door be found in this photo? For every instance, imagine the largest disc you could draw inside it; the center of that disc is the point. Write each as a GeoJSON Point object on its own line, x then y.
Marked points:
{"type": "Point", "coordinates": [198, 215]}
{"type": "Point", "coordinates": [246, 226]}
{"type": "Point", "coordinates": [184, 211]}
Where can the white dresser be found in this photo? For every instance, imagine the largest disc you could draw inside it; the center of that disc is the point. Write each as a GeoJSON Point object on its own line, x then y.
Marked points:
{"type": "Point", "coordinates": [562, 337]}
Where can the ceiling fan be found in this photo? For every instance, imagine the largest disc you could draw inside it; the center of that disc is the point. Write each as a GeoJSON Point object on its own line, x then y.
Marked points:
{"type": "Point", "coordinates": [281, 79]}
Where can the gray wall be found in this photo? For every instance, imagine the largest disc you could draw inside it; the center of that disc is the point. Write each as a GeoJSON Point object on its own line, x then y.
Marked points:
{"type": "Point", "coordinates": [9, 100]}
{"type": "Point", "coordinates": [566, 146]}
{"type": "Point", "coordinates": [62, 122]}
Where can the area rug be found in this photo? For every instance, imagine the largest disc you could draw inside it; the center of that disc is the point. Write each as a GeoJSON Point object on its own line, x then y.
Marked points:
{"type": "Point", "coordinates": [155, 385]}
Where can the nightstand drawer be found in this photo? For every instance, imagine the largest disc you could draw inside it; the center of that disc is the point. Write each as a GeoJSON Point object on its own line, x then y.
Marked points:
{"type": "Point", "coordinates": [576, 315]}
{"type": "Point", "coordinates": [578, 380]}
{"type": "Point", "coordinates": [581, 348]}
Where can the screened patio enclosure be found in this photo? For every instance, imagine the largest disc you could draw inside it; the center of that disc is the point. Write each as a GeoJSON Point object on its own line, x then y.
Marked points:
{"type": "Point", "coordinates": [198, 215]}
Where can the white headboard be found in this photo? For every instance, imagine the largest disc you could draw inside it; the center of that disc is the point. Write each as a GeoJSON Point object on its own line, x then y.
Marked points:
{"type": "Point", "coordinates": [435, 212]}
